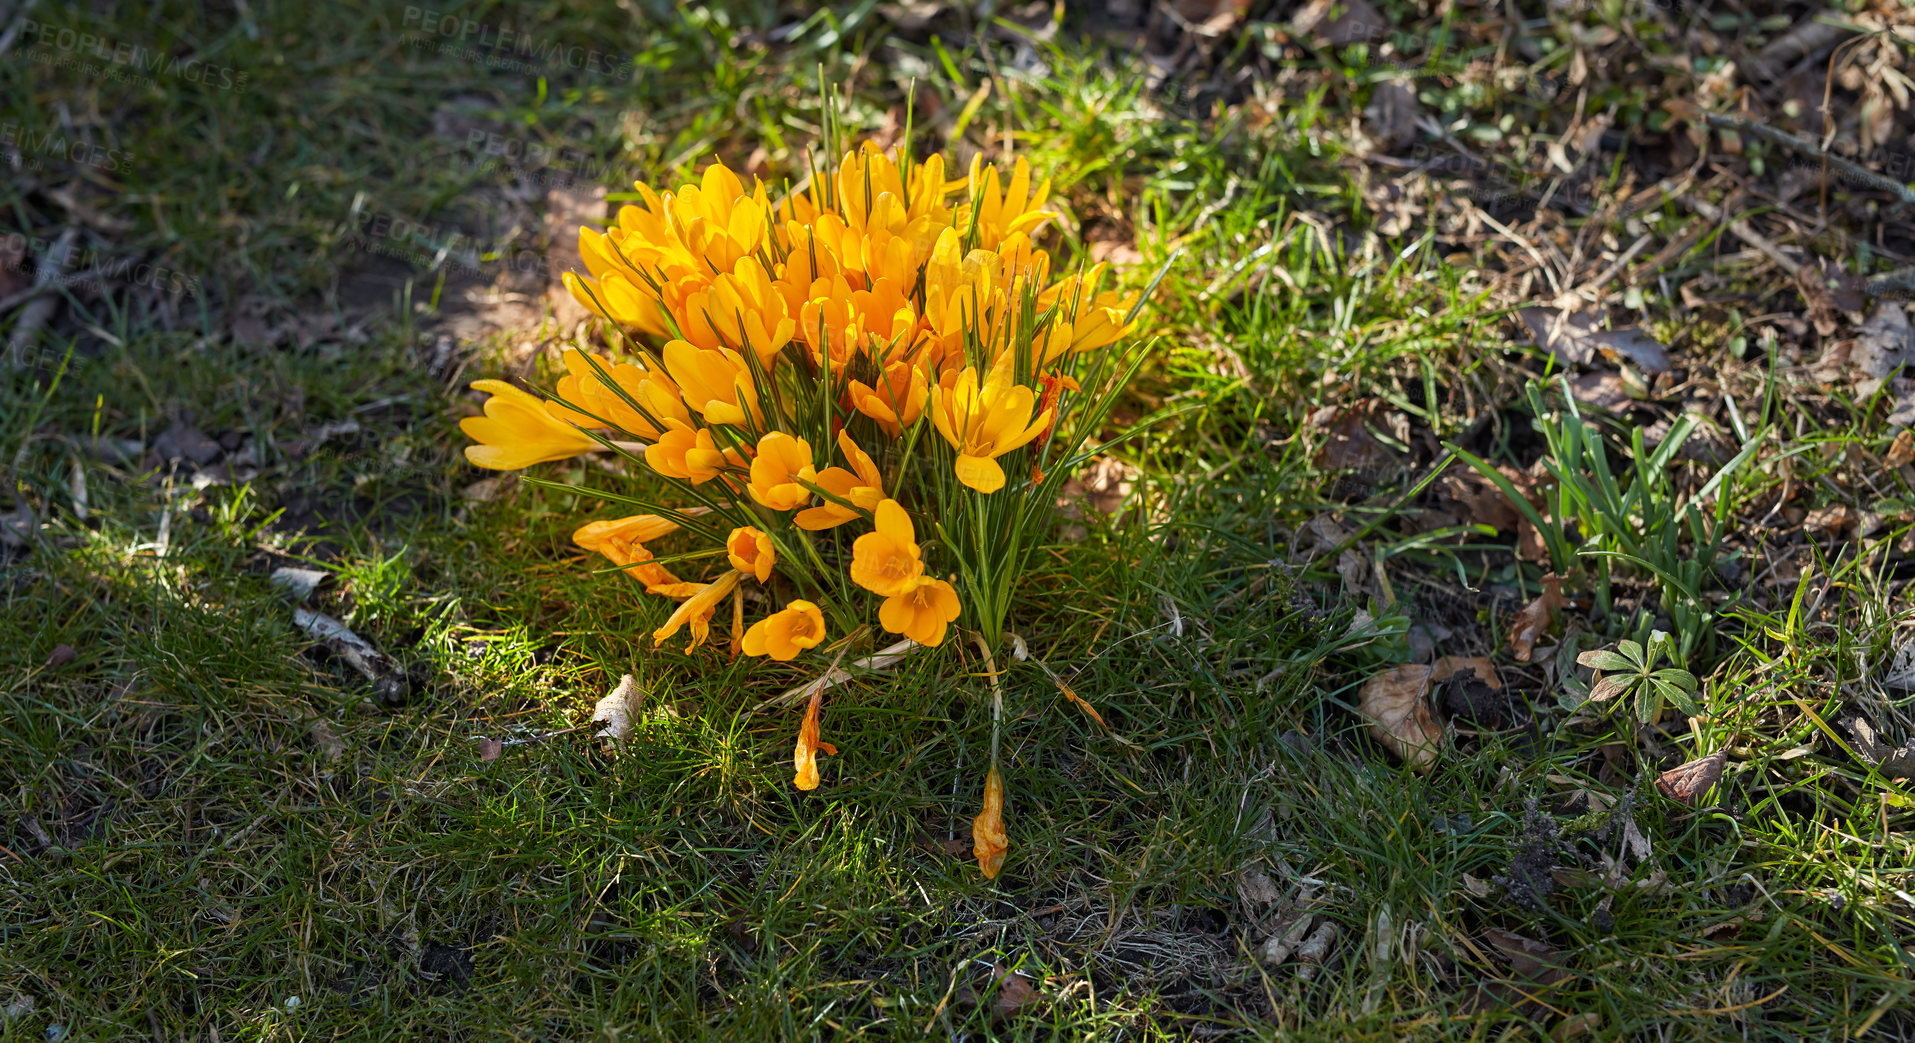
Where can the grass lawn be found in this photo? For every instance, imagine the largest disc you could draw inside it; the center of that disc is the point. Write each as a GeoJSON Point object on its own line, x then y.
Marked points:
{"type": "Point", "coordinates": [294, 233]}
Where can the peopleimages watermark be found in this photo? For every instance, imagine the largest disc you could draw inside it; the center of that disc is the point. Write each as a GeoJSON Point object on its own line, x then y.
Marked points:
{"type": "Point", "coordinates": [535, 162]}
{"type": "Point", "coordinates": [500, 46]}
{"type": "Point", "coordinates": [66, 48]}
{"type": "Point", "coordinates": [35, 147]}
{"type": "Point", "coordinates": [435, 246]}
{"type": "Point", "coordinates": [90, 268]}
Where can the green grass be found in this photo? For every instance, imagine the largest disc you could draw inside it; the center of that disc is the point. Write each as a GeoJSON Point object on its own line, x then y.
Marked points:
{"type": "Point", "coordinates": [210, 825]}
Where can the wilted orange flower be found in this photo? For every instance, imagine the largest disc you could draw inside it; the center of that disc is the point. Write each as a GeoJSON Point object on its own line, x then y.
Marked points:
{"type": "Point", "coordinates": [784, 634]}
{"type": "Point", "coordinates": [988, 839]}
{"type": "Point", "coordinates": [622, 541]}
{"type": "Point", "coordinates": [516, 431]}
{"type": "Point", "coordinates": [862, 486]}
{"type": "Point", "coordinates": [922, 611]}
{"type": "Point", "coordinates": [886, 561]}
{"type": "Point", "coordinates": [804, 758]}
{"type": "Point", "coordinates": [751, 552]}
{"type": "Point", "coordinates": [782, 465]}
{"type": "Point", "coordinates": [984, 423]}
{"type": "Point", "coordinates": [697, 610]}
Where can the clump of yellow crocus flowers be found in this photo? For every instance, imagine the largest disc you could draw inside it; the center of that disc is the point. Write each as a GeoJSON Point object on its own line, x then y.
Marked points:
{"type": "Point", "coordinates": [860, 396]}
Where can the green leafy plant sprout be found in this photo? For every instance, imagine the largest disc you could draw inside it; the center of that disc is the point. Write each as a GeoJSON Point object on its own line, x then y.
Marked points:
{"type": "Point", "coordinates": [1632, 670]}
{"type": "Point", "coordinates": [1634, 518]}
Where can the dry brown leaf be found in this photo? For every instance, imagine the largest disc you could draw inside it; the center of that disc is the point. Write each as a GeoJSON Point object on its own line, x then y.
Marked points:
{"type": "Point", "coordinates": [1902, 452]}
{"type": "Point", "coordinates": [1443, 669]}
{"type": "Point", "coordinates": [490, 750]}
{"type": "Point", "coordinates": [1577, 1026]}
{"type": "Point", "coordinates": [1254, 889]}
{"type": "Point", "coordinates": [1536, 618]}
{"type": "Point", "coordinates": [1833, 520]}
{"type": "Point", "coordinates": [617, 709]}
{"type": "Point", "coordinates": [1530, 545]}
{"type": "Point", "coordinates": [1399, 714]}
{"type": "Point", "coordinates": [1014, 991]}
{"type": "Point", "coordinates": [61, 655]}
{"type": "Point", "coordinates": [1529, 959]}
{"type": "Point", "coordinates": [1686, 783]}
{"type": "Point", "coordinates": [325, 740]}
{"type": "Point", "coordinates": [1602, 389]}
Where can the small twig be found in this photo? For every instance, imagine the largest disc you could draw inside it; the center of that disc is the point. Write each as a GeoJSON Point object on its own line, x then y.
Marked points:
{"type": "Point", "coordinates": [1853, 170]}
{"type": "Point", "coordinates": [1590, 291]}
{"type": "Point", "coordinates": [1743, 232]}
{"type": "Point", "coordinates": [38, 312]}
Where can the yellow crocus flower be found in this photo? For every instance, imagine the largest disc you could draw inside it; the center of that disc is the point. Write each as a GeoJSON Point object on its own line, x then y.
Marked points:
{"type": "Point", "coordinates": [784, 634]}
{"type": "Point", "coordinates": [921, 612]}
{"type": "Point", "coordinates": [779, 470]}
{"type": "Point", "coordinates": [751, 552]}
{"type": "Point", "coordinates": [887, 561]}
{"type": "Point", "coordinates": [984, 422]}
{"type": "Point", "coordinates": [862, 485]}
{"type": "Point", "coordinates": [715, 382]}
{"type": "Point", "coordinates": [516, 431]}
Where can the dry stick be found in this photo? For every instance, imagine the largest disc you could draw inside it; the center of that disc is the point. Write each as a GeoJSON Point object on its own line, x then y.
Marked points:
{"type": "Point", "coordinates": [38, 312]}
{"type": "Point", "coordinates": [1743, 232]}
{"type": "Point", "coordinates": [1849, 168]}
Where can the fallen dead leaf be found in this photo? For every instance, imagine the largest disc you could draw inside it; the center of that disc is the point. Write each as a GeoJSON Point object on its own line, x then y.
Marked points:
{"type": "Point", "coordinates": [1339, 23]}
{"type": "Point", "coordinates": [1603, 389]}
{"type": "Point", "coordinates": [1834, 520]}
{"type": "Point", "coordinates": [1350, 445]}
{"type": "Point", "coordinates": [1893, 762]}
{"type": "Point", "coordinates": [1686, 783]}
{"type": "Point", "coordinates": [1577, 1026]}
{"type": "Point", "coordinates": [1255, 889]}
{"type": "Point", "coordinates": [490, 750]}
{"type": "Point", "coordinates": [617, 709]}
{"type": "Point", "coordinates": [1536, 618]}
{"type": "Point", "coordinates": [1530, 545]}
{"type": "Point", "coordinates": [1117, 254]}
{"type": "Point", "coordinates": [184, 442]}
{"type": "Point", "coordinates": [1450, 665]}
{"type": "Point", "coordinates": [1390, 118]}
{"type": "Point", "coordinates": [1883, 343]}
{"type": "Point", "coordinates": [325, 740]}
{"type": "Point", "coordinates": [61, 655]}
{"type": "Point", "coordinates": [1902, 452]}
{"type": "Point", "coordinates": [1529, 959]}
{"type": "Point", "coordinates": [1014, 991]}
{"type": "Point", "coordinates": [1578, 338]}
{"type": "Point", "coordinates": [1400, 716]}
